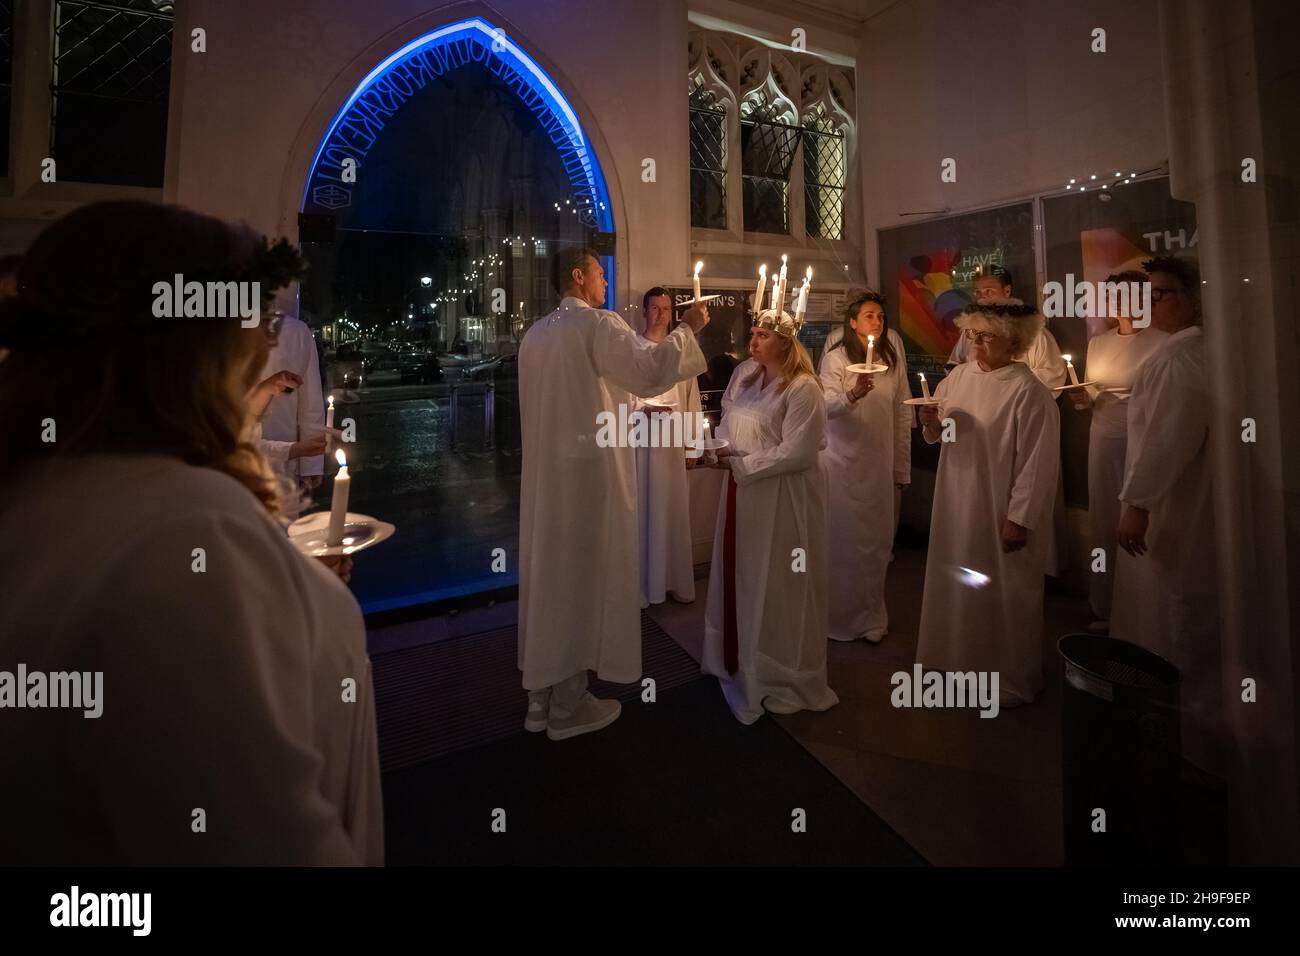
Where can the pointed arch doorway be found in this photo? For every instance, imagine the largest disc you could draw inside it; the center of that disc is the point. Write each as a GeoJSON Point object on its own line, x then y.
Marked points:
{"type": "Point", "coordinates": [432, 205]}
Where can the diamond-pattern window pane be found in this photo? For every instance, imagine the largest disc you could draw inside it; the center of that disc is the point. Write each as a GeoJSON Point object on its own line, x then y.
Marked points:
{"type": "Point", "coordinates": [708, 136]}
{"type": "Point", "coordinates": [824, 167]}
{"type": "Point", "coordinates": [110, 83]}
{"type": "Point", "coordinates": [767, 149]}
{"type": "Point", "coordinates": [6, 79]}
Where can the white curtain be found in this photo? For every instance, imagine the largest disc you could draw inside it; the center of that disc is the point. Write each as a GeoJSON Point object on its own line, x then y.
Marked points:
{"type": "Point", "coordinates": [1230, 78]}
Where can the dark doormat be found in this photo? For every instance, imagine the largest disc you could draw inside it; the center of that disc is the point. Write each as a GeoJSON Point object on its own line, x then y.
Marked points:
{"type": "Point", "coordinates": [676, 782]}
{"type": "Point", "coordinates": [437, 698]}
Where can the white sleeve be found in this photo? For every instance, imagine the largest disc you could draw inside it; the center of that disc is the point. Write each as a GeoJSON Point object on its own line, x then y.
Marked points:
{"type": "Point", "coordinates": [1044, 360]}
{"type": "Point", "coordinates": [834, 385]}
{"type": "Point", "coordinates": [1038, 459]}
{"type": "Point", "coordinates": [903, 418]}
{"type": "Point", "coordinates": [644, 371]}
{"type": "Point", "coordinates": [1177, 417]}
{"type": "Point", "coordinates": [803, 435]}
{"type": "Point", "coordinates": [208, 704]}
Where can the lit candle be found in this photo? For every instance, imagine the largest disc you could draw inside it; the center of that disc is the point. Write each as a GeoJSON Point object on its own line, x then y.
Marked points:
{"type": "Point", "coordinates": [762, 287]}
{"type": "Point", "coordinates": [339, 503]}
{"type": "Point", "coordinates": [698, 267]}
{"type": "Point", "coordinates": [802, 305]}
{"type": "Point", "coordinates": [778, 301]}
{"type": "Point", "coordinates": [925, 389]}
{"type": "Point", "coordinates": [871, 349]}
{"type": "Point", "coordinates": [329, 413]}
{"type": "Point", "coordinates": [1069, 366]}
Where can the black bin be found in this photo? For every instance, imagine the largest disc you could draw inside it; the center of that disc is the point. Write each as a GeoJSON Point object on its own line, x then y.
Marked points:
{"type": "Point", "coordinates": [1120, 752]}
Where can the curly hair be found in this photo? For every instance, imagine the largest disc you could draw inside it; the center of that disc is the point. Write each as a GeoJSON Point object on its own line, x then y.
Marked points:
{"type": "Point", "coordinates": [1187, 272]}
{"type": "Point", "coordinates": [1014, 321]}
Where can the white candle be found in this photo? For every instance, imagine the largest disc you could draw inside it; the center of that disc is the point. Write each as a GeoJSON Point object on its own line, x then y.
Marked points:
{"type": "Point", "coordinates": [762, 287]}
{"type": "Point", "coordinates": [871, 349]}
{"type": "Point", "coordinates": [339, 503]}
{"type": "Point", "coordinates": [925, 389]}
{"type": "Point", "coordinates": [802, 305]}
{"type": "Point", "coordinates": [329, 413]}
{"type": "Point", "coordinates": [698, 267]}
{"type": "Point", "coordinates": [1069, 366]}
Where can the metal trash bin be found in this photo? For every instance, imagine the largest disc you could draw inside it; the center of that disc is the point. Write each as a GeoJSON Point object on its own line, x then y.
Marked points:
{"type": "Point", "coordinates": [473, 407]}
{"type": "Point", "coordinates": [1120, 752]}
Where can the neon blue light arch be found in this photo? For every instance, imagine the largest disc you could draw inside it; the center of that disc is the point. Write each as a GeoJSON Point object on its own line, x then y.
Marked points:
{"type": "Point", "coordinates": [360, 121]}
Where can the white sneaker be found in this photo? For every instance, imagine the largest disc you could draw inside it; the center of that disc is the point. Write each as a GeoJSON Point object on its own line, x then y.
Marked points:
{"type": "Point", "coordinates": [591, 714]}
{"type": "Point", "coordinates": [539, 704]}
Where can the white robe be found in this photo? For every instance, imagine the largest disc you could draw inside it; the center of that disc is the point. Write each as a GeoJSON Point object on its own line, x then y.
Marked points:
{"type": "Point", "coordinates": [664, 503]}
{"type": "Point", "coordinates": [780, 505]}
{"type": "Point", "coordinates": [1166, 600]}
{"type": "Point", "coordinates": [223, 689]}
{"type": "Point", "coordinates": [869, 451]}
{"type": "Point", "coordinates": [579, 577]}
{"type": "Point", "coordinates": [300, 414]}
{"type": "Point", "coordinates": [1113, 362]}
{"type": "Point", "coordinates": [983, 609]}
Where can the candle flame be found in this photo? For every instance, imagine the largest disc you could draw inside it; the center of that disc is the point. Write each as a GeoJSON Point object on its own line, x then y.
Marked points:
{"type": "Point", "coordinates": [783, 258]}
{"type": "Point", "coordinates": [331, 401]}
{"type": "Point", "coordinates": [871, 340]}
{"type": "Point", "coordinates": [762, 270]}
{"type": "Point", "coordinates": [341, 458]}
{"type": "Point", "coordinates": [808, 274]}
{"type": "Point", "coordinates": [922, 374]}
{"type": "Point", "coordinates": [1067, 359]}
{"type": "Point", "coordinates": [698, 267]}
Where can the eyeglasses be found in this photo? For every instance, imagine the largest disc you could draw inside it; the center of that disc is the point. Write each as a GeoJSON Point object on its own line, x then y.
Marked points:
{"type": "Point", "coordinates": [1158, 294]}
{"type": "Point", "coordinates": [977, 336]}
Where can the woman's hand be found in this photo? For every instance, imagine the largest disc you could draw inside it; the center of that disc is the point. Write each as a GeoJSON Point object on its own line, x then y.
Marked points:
{"type": "Point", "coordinates": [340, 564]}
{"type": "Point", "coordinates": [1080, 397]}
{"type": "Point", "coordinates": [1014, 537]}
{"type": "Point", "coordinates": [860, 388]}
{"type": "Point", "coordinates": [722, 458]}
{"type": "Point", "coordinates": [929, 415]}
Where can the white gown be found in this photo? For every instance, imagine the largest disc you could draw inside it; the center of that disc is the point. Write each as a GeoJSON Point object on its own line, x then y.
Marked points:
{"type": "Point", "coordinates": [869, 451]}
{"type": "Point", "coordinates": [1166, 600]}
{"type": "Point", "coordinates": [664, 504]}
{"type": "Point", "coordinates": [579, 581]}
{"type": "Point", "coordinates": [1113, 362]}
{"type": "Point", "coordinates": [223, 688]}
{"type": "Point", "coordinates": [300, 414]}
{"type": "Point", "coordinates": [778, 658]}
{"type": "Point", "coordinates": [983, 609]}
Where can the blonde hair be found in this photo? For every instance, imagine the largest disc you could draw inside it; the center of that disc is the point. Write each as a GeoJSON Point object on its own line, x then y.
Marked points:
{"type": "Point", "coordinates": [797, 362]}
{"type": "Point", "coordinates": [1017, 323]}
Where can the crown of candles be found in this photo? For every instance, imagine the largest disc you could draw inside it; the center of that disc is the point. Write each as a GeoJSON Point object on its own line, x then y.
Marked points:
{"type": "Point", "coordinates": [774, 318]}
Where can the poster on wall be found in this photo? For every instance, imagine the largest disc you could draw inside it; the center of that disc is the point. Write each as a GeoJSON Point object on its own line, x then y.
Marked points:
{"type": "Point", "coordinates": [928, 270]}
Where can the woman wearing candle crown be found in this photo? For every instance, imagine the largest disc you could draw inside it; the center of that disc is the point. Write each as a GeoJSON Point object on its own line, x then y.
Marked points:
{"type": "Point", "coordinates": [868, 456]}
{"type": "Point", "coordinates": [161, 563]}
{"type": "Point", "coordinates": [1000, 430]}
{"type": "Point", "coordinates": [765, 625]}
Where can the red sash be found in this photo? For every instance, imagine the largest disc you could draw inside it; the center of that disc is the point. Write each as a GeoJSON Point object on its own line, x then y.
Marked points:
{"type": "Point", "coordinates": [730, 642]}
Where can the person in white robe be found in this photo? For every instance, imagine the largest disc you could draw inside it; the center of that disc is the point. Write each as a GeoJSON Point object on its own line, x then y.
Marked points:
{"type": "Point", "coordinates": [766, 618]}
{"type": "Point", "coordinates": [1114, 357]}
{"type": "Point", "coordinates": [579, 563]}
{"type": "Point", "coordinates": [868, 462]}
{"type": "Point", "coordinates": [233, 718]}
{"type": "Point", "coordinates": [663, 495]}
{"type": "Point", "coordinates": [982, 608]}
{"type": "Point", "coordinates": [1043, 356]}
{"type": "Point", "coordinates": [296, 418]}
{"type": "Point", "coordinates": [1165, 597]}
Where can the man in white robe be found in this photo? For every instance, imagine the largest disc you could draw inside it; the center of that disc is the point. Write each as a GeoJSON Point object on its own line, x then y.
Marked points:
{"type": "Point", "coordinates": [663, 495]}
{"type": "Point", "coordinates": [295, 418]}
{"type": "Point", "coordinates": [579, 566]}
{"type": "Point", "coordinates": [1165, 597]}
{"type": "Point", "coordinates": [982, 608]}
